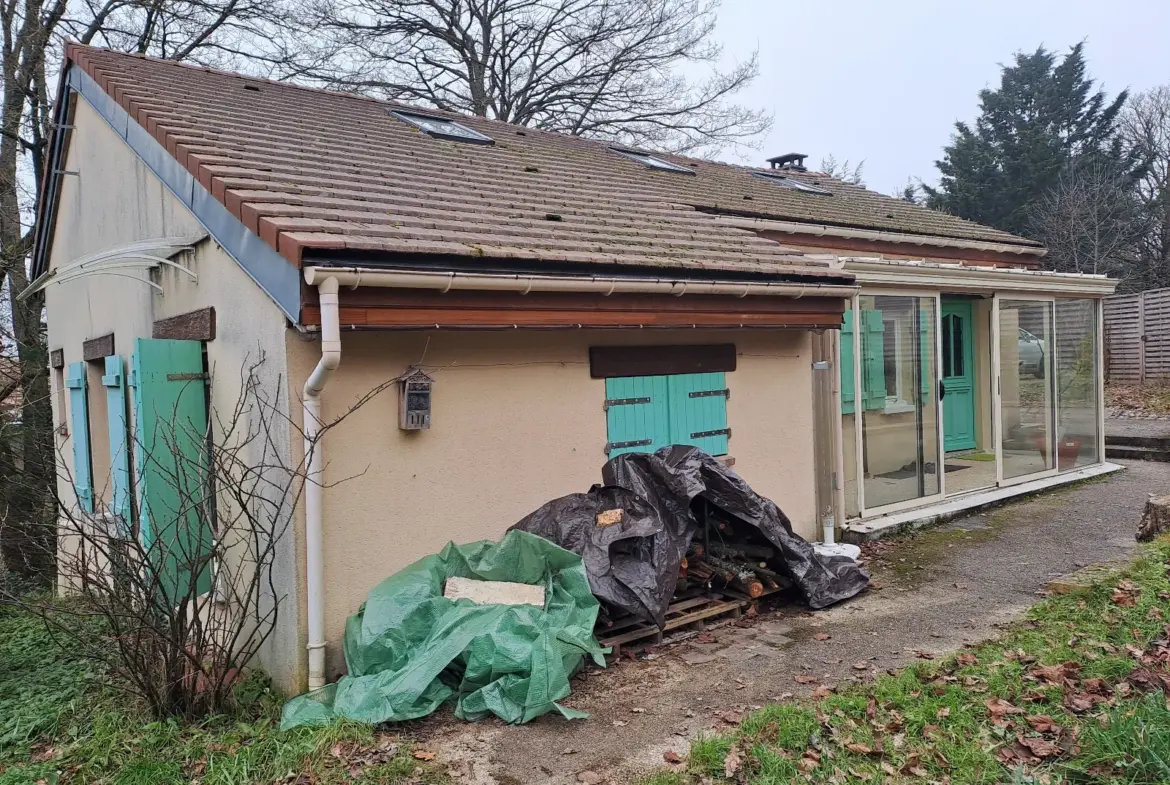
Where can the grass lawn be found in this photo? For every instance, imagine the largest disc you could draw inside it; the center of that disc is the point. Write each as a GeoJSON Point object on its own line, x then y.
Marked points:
{"type": "Point", "coordinates": [59, 723]}
{"type": "Point", "coordinates": [1077, 693]}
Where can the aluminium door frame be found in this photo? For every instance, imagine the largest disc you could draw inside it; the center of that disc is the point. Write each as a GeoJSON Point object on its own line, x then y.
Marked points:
{"type": "Point", "coordinates": [864, 512]}
{"type": "Point", "coordinates": [1049, 376]}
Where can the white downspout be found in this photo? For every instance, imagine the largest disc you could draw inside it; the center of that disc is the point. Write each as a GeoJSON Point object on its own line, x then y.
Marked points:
{"type": "Point", "coordinates": [314, 491]}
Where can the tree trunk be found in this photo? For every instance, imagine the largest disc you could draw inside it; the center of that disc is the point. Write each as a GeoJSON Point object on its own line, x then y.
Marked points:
{"type": "Point", "coordinates": [1155, 519]}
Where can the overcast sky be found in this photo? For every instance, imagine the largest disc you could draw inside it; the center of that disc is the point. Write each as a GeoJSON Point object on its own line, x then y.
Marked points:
{"type": "Point", "coordinates": [884, 80]}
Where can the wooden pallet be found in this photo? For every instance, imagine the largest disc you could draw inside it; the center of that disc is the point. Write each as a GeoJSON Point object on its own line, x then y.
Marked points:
{"type": "Point", "coordinates": [683, 613]}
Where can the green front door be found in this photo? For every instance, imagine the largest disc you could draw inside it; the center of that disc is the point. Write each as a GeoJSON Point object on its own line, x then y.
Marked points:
{"type": "Point", "coordinates": [958, 375]}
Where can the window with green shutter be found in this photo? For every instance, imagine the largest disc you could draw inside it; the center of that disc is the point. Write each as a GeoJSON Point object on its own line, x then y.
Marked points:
{"type": "Point", "coordinates": [873, 360]}
{"type": "Point", "coordinates": [170, 419]}
{"type": "Point", "coordinates": [79, 417]}
{"type": "Point", "coordinates": [644, 413]}
{"type": "Point", "coordinates": [848, 387]}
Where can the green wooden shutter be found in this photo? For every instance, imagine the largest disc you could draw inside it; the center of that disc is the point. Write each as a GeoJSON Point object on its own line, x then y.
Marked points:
{"type": "Point", "coordinates": [115, 384]}
{"type": "Point", "coordinates": [848, 388]}
{"type": "Point", "coordinates": [170, 415]}
{"type": "Point", "coordinates": [873, 369]}
{"type": "Point", "coordinates": [698, 411]}
{"type": "Point", "coordinates": [79, 418]}
{"type": "Point", "coordinates": [637, 414]}
{"type": "Point", "coordinates": [926, 350]}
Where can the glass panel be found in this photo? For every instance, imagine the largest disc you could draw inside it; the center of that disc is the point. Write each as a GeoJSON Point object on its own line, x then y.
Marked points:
{"type": "Point", "coordinates": [947, 338]}
{"type": "Point", "coordinates": [957, 343]}
{"type": "Point", "coordinates": [1077, 368]}
{"type": "Point", "coordinates": [1025, 364]}
{"type": "Point", "coordinates": [897, 397]}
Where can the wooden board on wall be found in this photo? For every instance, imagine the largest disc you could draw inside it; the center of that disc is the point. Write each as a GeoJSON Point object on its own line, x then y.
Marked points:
{"type": "Point", "coordinates": [192, 326]}
{"type": "Point", "coordinates": [407, 308]}
{"type": "Point", "coordinates": [614, 361]}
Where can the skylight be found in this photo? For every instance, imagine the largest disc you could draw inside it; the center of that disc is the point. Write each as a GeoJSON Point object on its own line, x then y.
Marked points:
{"type": "Point", "coordinates": [442, 128]}
{"type": "Point", "coordinates": [795, 185]}
{"type": "Point", "coordinates": [654, 163]}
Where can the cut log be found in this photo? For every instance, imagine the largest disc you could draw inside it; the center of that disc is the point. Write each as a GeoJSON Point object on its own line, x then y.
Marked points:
{"type": "Point", "coordinates": [1155, 519]}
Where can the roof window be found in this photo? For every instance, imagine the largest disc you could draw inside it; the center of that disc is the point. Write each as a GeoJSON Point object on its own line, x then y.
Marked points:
{"type": "Point", "coordinates": [795, 185]}
{"type": "Point", "coordinates": [650, 161]}
{"type": "Point", "coordinates": [442, 128]}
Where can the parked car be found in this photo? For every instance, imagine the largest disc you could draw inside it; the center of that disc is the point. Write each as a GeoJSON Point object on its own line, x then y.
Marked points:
{"type": "Point", "coordinates": [1031, 354]}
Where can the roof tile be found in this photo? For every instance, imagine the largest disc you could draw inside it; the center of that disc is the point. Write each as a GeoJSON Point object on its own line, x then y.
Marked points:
{"type": "Point", "coordinates": [317, 171]}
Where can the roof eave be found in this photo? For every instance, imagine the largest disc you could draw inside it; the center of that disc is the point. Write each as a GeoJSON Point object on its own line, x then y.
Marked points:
{"type": "Point", "coordinates": [875, 235]}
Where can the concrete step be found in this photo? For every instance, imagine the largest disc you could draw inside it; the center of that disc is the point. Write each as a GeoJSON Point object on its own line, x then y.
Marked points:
{"type": "Point", "coordinates": [1156, 442]}
{"type": "Point", "coordinates": [1137, 452]}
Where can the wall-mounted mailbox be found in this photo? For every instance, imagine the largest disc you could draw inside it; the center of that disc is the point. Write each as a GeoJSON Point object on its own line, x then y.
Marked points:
{"type": "Point", "coordinates": [414, 401]}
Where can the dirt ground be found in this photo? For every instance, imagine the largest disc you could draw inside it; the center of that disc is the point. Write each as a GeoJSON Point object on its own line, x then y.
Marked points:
{"type": "Point", "coordinates": [934, 593]}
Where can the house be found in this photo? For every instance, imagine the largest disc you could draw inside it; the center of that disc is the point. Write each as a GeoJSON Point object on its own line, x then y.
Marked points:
{"type": "Point", "coordinates": [537, 303]}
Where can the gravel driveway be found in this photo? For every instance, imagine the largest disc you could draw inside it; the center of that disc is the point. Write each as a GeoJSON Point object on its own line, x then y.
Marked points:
{"type": "Point", "coordinates": [937, 591]}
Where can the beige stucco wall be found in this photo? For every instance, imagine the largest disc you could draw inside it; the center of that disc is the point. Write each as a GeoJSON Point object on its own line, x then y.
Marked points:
{"type": "Point", "coordinates": [516, 421]}
{"type": "Point", "coordinates": [113, 200]}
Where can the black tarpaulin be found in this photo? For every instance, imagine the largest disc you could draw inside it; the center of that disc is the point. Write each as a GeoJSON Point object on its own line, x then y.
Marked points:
{"type": "Point", "coordinates": [633, 564]}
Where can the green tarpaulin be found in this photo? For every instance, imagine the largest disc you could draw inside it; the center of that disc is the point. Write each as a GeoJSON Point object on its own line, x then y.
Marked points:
{"type": "Point", "coordinates": [409, 648]}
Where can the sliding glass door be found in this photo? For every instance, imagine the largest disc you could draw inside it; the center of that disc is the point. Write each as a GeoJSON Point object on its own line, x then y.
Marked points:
{"type": "Point", "coordinates": [1027, 399]}
{"type": "Point", "coordinates": [897, 397]}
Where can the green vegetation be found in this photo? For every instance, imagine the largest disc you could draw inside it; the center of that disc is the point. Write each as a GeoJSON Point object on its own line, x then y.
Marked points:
{"type": "Point", "coordinates": [60, 722]}
{"type": "Point", "coordinates": [1076, 693]}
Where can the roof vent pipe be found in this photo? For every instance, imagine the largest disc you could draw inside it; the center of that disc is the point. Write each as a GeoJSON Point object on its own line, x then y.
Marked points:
{"type": "Point", "coordinates": [791, 161]}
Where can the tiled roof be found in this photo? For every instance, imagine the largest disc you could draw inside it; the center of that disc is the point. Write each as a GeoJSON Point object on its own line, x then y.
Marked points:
{"type": "Point", "coordinates": [314, 172]}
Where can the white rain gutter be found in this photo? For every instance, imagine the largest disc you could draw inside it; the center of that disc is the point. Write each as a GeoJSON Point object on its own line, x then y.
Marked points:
{"type": "Point", "coordinates": [822, 230]}
{"type": "Point", "coordinates": [601, 284]}
{"type": "Point", "coordinates": [314, 487]}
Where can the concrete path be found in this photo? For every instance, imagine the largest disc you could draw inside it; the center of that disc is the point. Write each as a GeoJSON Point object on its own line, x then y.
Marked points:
{"type": "Point", "coordinates": [938, 591]}
{"type": "Point", "coordinates": [1125, 426]}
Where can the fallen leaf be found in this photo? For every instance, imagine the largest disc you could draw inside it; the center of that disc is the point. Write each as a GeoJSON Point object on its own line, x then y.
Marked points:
{"type": "Point", "coordinates": [924, 655]}
{"type": "Point", "coordinates": [731, 717]}
{"type": "Point", "coordinates": [821, 636]}
{"type": "Point", "coordinates": [1079, 702]}
{"type": "Point", "coordinates": [670, 756]}
{"type": "Point", "coordinates": [568, 751]}
{"type": "Point", "coordinates": [620, 723]}
{"type": "Point", "coordinates": [1042, 723]}
{"type": "Point", "coordinates": [861, 666]}
{"type": "Point", "coordinates": [1056, 674]}
{"type": "Point", "coordinates": [423, 755]}
{"type": "Point", "coordinates": [1041, 748]}
{"type": "Point", "coordinates": [967, 658]}
{"type": "Point", "coordinates": [999, 707]}
{"type": "Point", "coordinates": [859, 749]}
{"type": "Point", "coordinates": [945, 711]}
{"type": "Point", "coordinates": [801, 678]}
{"type": "Point", "coordinates": [638, 710]}
{"type": "Point", "coordinates": [928, 729]}
{"type": "Point", "coordinates": [732, 762]}
{"type": "Point", "coordinates": [888, 769]}
{"type": "Point", "coordinates": [1123, 599]}
{"type": "Point", "coordinates": [823, 691]}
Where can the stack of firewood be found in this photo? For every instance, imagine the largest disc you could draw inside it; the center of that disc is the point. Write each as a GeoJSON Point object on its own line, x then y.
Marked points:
{"type": "Point", "coordinates": [740, 566]}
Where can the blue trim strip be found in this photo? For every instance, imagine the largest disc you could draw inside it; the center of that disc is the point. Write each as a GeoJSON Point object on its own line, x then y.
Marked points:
{"type": "Point", "coordinates": [279, 279]}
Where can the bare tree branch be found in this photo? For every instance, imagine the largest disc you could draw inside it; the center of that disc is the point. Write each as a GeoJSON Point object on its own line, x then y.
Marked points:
{"type": "Point", "coordinates": [612, 69]}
